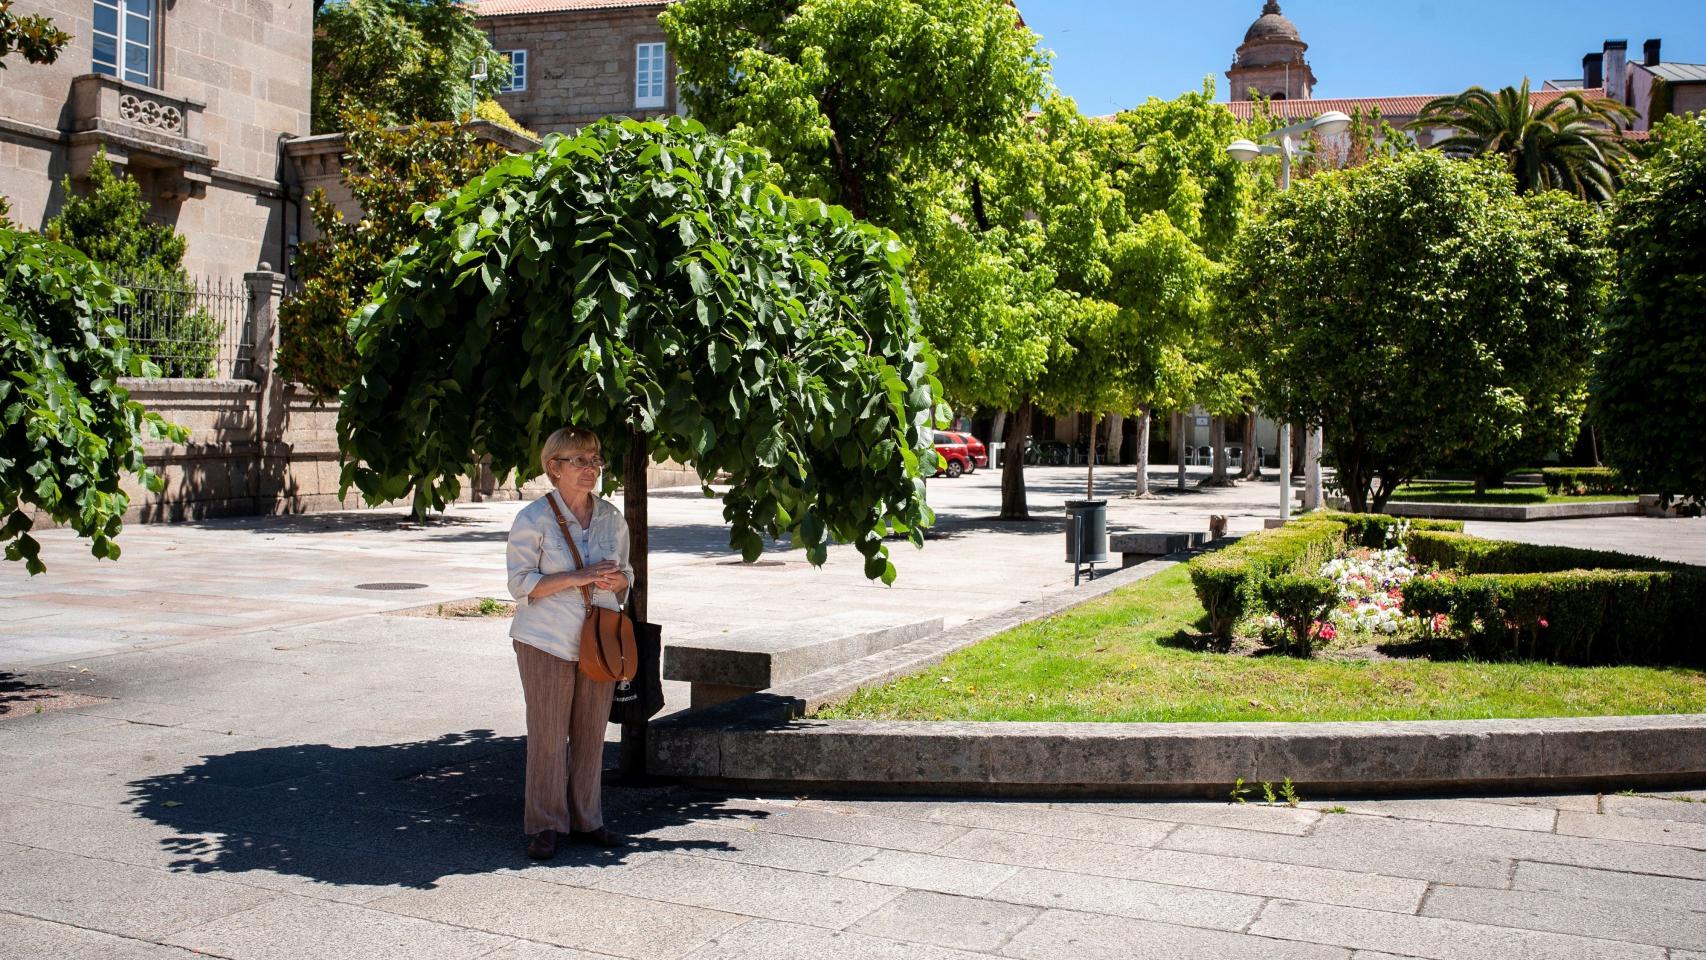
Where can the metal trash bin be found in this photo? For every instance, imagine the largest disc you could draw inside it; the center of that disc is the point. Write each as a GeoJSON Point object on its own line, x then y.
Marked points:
{"type": "Point", "coordinates": [1087, 531]}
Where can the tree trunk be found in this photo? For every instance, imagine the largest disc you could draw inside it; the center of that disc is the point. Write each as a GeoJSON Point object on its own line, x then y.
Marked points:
{"type": "Point", "coordinates": [1299, 447]}
{"type": "Point", "coordinates": [1179, 445]}
{"type": "Point", "coordinates": [1217, 441]}
{"type": "Point", "coordinates": [1000, 424]}
{"type": "Point", "coordinates": [633, 750]}
{"type": "Point", "coordinates": [1090, 475]}
{"type": "Point", "coordinates": [1116, 438]}
{"type": "Point", "coordinates": [1142, 441]}
{"type": "Point", "coordinates": [1013, 470]}
{"type": "Point", "coordinates": [1252, 459]}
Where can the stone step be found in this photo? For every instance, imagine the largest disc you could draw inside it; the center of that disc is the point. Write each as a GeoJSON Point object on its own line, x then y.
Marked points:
{"type": "Point", "coordinates": [735, 664]}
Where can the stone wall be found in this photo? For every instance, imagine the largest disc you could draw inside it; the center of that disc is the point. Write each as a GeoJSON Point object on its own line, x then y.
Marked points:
{"type": "Point", "coordinates": [230, 78]}
{"type": "Point", "coordinates": [580, 65]}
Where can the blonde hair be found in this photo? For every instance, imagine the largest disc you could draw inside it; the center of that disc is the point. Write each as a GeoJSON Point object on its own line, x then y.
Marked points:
{"type": "Point", "coordinates": [563, 441]}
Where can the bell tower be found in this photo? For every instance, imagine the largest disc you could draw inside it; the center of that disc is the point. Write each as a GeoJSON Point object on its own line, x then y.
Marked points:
{"type": "Point", "coordinates": [1270, 61]}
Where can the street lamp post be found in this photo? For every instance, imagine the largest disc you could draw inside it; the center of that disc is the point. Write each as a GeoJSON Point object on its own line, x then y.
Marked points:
{"type": "Point", "coordinates": [1327, 124]}
{"type": "Point", "coordinates": [476, 74]}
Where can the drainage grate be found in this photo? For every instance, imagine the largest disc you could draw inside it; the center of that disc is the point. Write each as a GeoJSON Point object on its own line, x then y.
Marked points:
{"type": "Point", "coordinates": [390, 586]}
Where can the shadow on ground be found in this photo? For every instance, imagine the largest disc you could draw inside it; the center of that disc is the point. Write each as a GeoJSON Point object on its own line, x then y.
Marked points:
{"type": "Point", "coordinates": [391, 815]}
{"type": "Point", "coordinates": [18, 695]}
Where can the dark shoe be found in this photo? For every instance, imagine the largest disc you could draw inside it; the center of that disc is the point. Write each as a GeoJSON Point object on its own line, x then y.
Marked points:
{"type": "Point", "coordinates": [600, 837]}
{"type": "Point", "coordinates": [542, 845]}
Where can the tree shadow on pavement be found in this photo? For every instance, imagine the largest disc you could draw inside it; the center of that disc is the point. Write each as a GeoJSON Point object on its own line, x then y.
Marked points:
{"type": "Point", "coordinates": [391, 815]}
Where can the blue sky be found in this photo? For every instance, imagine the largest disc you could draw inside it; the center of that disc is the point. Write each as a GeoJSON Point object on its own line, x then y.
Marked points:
{"type": "Point", "coordinates": [1111, 54]}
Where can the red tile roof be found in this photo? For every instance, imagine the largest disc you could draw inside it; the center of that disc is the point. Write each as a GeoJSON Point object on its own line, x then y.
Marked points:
{"type": "Point", "coordinates": [1389, 106]}
{"type": "Point", "coordinates": [510, 8]}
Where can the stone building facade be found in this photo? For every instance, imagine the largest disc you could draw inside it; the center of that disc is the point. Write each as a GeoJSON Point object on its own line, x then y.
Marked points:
{"type": "Point", "coordinates": [576, 61]}
{"type": "Point", "coordinates": [193, 98]}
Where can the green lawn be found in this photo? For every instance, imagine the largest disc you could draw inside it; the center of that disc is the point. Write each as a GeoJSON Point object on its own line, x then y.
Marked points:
{"type": "Point", "coordinates": [1517, 496]}
{"type": "Point", "coordinates": [1127, 657]}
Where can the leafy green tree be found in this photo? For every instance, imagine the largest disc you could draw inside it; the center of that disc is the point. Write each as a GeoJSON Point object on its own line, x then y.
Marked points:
{"type": "Point", "coordinates": [1414, 307]}
{"type": "Point", "coordinates": [860, 102]}
{"type": "Point", "coordinates": [905, 112]}
{"type": "Point", "coordinates": [405, 60]}
{"type": "Point", "coordinates": [68, 431]}
{"type": "Point", "coordinates": [644, 281]}
{"type": "Point", "coordinates": [387, 170]}
{"type": "Point", "coordinates": [1650, 385]}
{"type": "Point", "coordinates": [33, 35]}
{"type": "Point", "coordinates": [1570, 144]}
{"type": "Point", "coordinates": [109, 223]}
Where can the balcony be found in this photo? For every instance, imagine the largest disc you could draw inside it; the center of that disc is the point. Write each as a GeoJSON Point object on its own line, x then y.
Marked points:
{"type": "Point", "coordinates": [153, 135]}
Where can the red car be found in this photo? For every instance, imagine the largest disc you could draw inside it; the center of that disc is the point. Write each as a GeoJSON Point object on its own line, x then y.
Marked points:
{"type": "Point", "coordinates": [974, 446]}
{"type": "Point", "coordinates": [956, 459]}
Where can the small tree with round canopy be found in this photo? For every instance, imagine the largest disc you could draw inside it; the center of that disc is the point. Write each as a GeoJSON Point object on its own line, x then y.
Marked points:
{"type": "Point", "coordinates": [644, 281]}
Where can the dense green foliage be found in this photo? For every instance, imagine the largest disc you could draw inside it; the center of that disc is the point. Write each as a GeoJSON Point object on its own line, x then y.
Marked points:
{"type": "Point", "coordinates": [1650, 389]}
{"type": "Point", "coordinates": [1302, 602]}
{"type": "Point", "coordinates": [387, 170]}
{"type": "Point", "coordinates": [1422, 311]}
{"type": "Point", "coordinates": [34, 35]}
{"type": "Point", "coordinates": [1577, 616]}
{"type": "Point", "coordinates": [1571, 143]}
{"type": "Point", "coordinates": [862, 103]}
{"type": "Point", "coordinates": [110, 224]}
{"type": "Point", "coordinates": [644, 281]}
{"type": "Point", "coordinates": [68, 431]}
{"type": "Point", "coordinates": [405, 60]}
{"type": "Point", "coordinates": [1584, 480]}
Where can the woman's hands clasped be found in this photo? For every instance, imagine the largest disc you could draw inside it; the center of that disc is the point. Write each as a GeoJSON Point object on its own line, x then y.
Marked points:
{"type": "Point", "coordinates": [603, 575]}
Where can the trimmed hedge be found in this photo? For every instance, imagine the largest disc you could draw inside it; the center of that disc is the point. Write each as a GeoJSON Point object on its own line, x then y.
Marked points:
{"type": "Point", "coordinates": [1582, 617]}
{"type": "Point", "coordinates": [1229, 581]}
{"type": "Point", "coordinates": [1300, 600]}
{"type": "Point", "coordinates": [1471, 555]}
{"type": "Point", "coordinates": [1567, 480]}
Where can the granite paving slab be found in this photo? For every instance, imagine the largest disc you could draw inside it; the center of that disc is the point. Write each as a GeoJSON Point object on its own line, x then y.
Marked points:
{"type": "Point", "coordinates": [595, 920]}
{"type": "Point", "coordinates": [1140, 900]}
{"type": "Point", "coordinates": [291, 927]}
{"type": "Point", "coordinates": [1608, 884]}
{"type": "Point", "coordinates": [924, 871]}
{"type": "Point", "coordinates": [1582, 916]}
{"type": "Point", "coordinates": [1068, 935]}
{"type": "Point", "coordinates": [774, 940]}
{"type": "Point", "coordinates": [28, 937]}
{"type": "Point", "coordinates": [832, 902]}
{"type": "Point", "coordinates": [943, 920]}
{"type": "Point", "coordinates": [1435, 938]}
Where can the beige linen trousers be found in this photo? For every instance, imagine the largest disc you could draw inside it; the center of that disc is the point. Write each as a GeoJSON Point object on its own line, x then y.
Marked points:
{"type": "Point", "coordinates": [566, 714]}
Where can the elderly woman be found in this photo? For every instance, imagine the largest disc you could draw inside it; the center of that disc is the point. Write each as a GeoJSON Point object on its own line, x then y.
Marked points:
{"type": "Point", "coordinates": [550, 607]}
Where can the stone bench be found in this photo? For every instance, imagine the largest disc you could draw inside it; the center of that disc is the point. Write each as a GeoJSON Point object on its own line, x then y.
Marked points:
{"type": "Point", "coordinates": [736, 664]}
{"type": "Point", "coordinates": [1140, 546]}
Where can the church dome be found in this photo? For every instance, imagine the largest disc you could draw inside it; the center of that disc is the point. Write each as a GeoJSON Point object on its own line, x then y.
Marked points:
{"type": "Point", "coordinates": [1272, 25]}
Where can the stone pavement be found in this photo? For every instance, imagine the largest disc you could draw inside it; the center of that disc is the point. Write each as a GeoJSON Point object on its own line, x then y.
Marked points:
{"type": "Point", "coordinates": [262, 762]}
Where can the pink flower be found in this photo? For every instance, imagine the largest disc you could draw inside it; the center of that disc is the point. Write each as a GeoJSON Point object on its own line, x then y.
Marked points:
{"type": "Point", "coordinates": [1326, 631]}
{"type": "Point", "coordinates": [1543, 623]}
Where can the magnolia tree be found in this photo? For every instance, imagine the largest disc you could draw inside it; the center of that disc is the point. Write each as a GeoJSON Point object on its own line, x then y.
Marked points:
{"type": "Point", "coordinates": [644, 281]}
{"type": "Point", "coordinates": [1421, 310]}
{"type": "Point", "coordinates": [1650, 390]}
{"type": "Point", "coordinates": [68, 432]}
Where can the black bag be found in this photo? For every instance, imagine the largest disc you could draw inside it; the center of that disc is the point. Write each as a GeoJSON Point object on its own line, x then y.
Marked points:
{"type": "Point", "coordinates": [640, 699]}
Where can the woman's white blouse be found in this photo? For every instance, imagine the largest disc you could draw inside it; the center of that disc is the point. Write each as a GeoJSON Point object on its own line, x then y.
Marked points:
{"type": "Point", "coordinates": [536, 548]}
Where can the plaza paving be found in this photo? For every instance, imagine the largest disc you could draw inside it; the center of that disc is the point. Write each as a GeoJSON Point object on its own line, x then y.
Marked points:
{"type": "Point", "coordinates": [262, 761]}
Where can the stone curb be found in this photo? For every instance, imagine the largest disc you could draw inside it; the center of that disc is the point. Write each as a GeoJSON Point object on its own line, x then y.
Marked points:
{"type": "Point", "coordinates": [1539, 511]}
{"type": "Point", "coordinates": [761, 742]}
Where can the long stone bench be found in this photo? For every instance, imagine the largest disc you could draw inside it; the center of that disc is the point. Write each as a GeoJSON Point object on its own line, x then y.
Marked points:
{"type": "Point", "coordinates": [736, 664]}
{"type": "Point", "coordinates": [1141, 546]}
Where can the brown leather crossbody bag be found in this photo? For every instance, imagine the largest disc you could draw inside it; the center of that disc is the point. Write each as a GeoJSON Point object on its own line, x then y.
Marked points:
{"type": "Point", "coordinates": [608, 651]}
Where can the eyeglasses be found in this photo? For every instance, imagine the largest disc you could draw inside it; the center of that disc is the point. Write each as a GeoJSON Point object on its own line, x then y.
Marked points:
{"type": "Point", "coordinates": [581, 463]}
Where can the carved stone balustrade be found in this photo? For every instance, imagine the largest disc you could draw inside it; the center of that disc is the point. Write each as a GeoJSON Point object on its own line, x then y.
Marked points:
{"type": "Point", "coordinates": [154, 136]}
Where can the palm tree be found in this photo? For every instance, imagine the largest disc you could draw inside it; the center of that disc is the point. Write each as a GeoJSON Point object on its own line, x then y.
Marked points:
{"type": "Point", "coordinates": [1571, 143]}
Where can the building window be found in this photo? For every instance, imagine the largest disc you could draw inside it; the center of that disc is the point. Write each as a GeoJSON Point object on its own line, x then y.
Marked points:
{"type": "Point", "coordinates": [124, 40]}
{"type": "Point", "coordinates": [648, 75]}
{"type": "Point", "coordinates": [517, 71]}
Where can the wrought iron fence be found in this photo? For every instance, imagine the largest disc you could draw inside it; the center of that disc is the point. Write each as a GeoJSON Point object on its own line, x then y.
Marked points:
{"type": "Point", "coordinates": [191, 328]}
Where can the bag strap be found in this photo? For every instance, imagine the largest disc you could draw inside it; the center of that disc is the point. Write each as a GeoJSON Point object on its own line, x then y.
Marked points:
{"type": "Point", "coordinates": [574, 551]}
